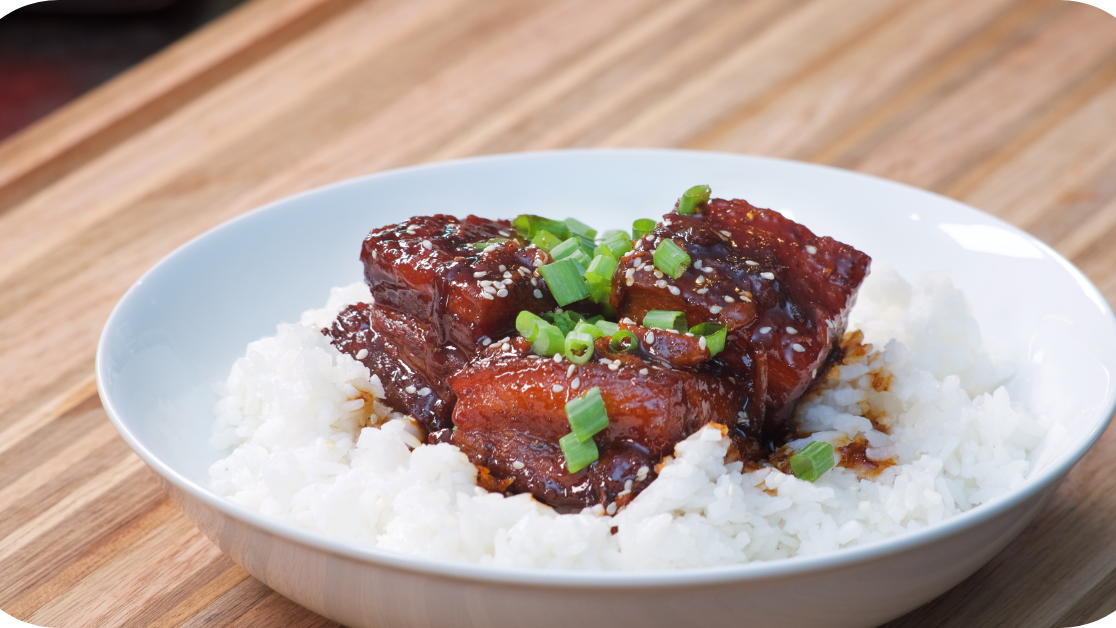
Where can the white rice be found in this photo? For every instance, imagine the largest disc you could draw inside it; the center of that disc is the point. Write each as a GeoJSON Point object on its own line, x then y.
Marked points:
{"type": "Point", "coordinates": [293, 407]}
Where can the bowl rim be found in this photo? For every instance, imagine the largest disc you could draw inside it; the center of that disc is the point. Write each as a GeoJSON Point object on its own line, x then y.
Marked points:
{"type": "Point", "coordinates": [515, 576]}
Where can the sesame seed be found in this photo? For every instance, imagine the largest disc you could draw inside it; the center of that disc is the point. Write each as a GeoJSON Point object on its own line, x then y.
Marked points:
{"type": "Point", "coordinates": [729, 299]}
{"type": "Point", "coordinates": [661, 283]}
{"type": "Point", "coordinates": [629, 281]}
{"type": "Point", "coordinates": [615, 366]}
{"type": "Point", "coordinates": [745, 299]}
{"type": "Point", "coordinates": [534, 281]}
{"type": "Point", "coordinates": [480, 273]}
{"type": "Point", "coordinates": [505, 232]}
{"type": "Point", "coordinates": [486, 341]}
{"type": "Point", "coordinates": [522, 270]}
{"type": "Point", "coordinates": [538, 293]}
{"type": "Point", "coordinates": [700, 280]}
{"type": "Point", "coordinates": [628, 485]}
{"type": "Point", "coordinates": [410, 390]}
{"type": "Point", "coordinates": [570, 371]}
{"type": "Point", "coordinates": [502, 293]}
{"type": "Point", "coordinates": [605, 361]}
{"type": "Point", "coordinates": [697, 264]}
{"type": "Point", "coordinates": [702, 290]}
{"type": "Point", "coordinates": [707, 269]}
{"type": "Point", "coordinates": [649, 337]}
{"type": "Point", "coordinates": [363, 353]}
{"type": "Point", "coordinates": [507, 275]}
{"type": "Point", "coordinates": [575, 384]}
{"type": "Point", "coordinates": [427, 245]}
{"type": "Point", "coordinates": [701, 342]}
{"type": "Point", "coordinates": [537, 262]}
{"type": "Point", "coordinates": [518, 465]}
{"type": "Point", "coordinates": [627, 320]}
{"type": "Point", "coordinates": [485, 283]}
{"type": "Point", "coordinates": [489, 289]}
{"type": "Point", "coordinates": [423, 392]}
{"type": "Point", "coordinates": [811, 249]}
{"type": "Point", "coordinates": [641, 475]}
{"type": "Point", "coordinates": [611, 509]}
{"type": "Point", "coordinates": [505, 346]}
{"type": "Point", "coordinates": [558, 388]}
{"type": "Point", "coordinates": [373, 254]}
{"type": "Point", "coordinates": [687, 334]}
{"type": "Point", "coordinates": [727, 234]}
{"type": "Point", "coordinates": [643, 371]}
{"type": "Point", "coordinates": [558, 358]}
{"type": "Point", "coordinates": [628, 273]}
{"type": "Point", "coordinates": [765, 330]}
{"type": "Point", "coordinates": [488, 296]}
{"type": "Point", "coordinates": [674, 290]}
{"type": "Point", "coordinates": [489, 249]}
{"type": "Point", "coordinates": [715, 309]}
{"type": "Point", "coordinates": [503, 268]}
{"type": "Point", "coordinates": [658, 274]}
{"type": "Point", "coordinates": [767, 275]}
{"type": "Point", "coordinates": [798, 348]}
{"type": "Point", "coordinates": [792, 330]}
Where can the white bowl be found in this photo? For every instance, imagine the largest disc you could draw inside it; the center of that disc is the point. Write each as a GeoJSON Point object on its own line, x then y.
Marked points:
{"type": "Point", "coordinates": [180, 328]}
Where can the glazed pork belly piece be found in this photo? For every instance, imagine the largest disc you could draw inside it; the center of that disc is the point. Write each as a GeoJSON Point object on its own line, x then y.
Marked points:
{"type": "Point", "coordinates": [438, 297]}
{"type": "Point", "coordinates": [782, 292]}
{"type": "Point", "coordinates": [510, 415]}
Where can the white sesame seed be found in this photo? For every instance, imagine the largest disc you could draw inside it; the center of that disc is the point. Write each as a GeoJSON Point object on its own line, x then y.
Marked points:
{"type": "Point", "coordinates": [505, 346]}
{"type": "Point", "coordinates": [661, 283]}
{"type": "Point", "coordinates": [629, 281]}
{"type": "Point", "coordinates": [611, 509]}
{"type": "Point", "coordinates": [767, 275]}
{"type": "Point", "coordinates": [729, 299]}
{"type": "Point", "coordinates": [792, 330]}
{"type": "Point", "coordinates": [534, 281]}
{"type": "Point", "coordinates": [427, 245]}
{"type": "Point", "coordinates": [489, 289]}
{"type": "Point", "coordinates": [373, 254]}
{"type": "Point", "coordinates": [558, 358]}
{"type": "Point", "coordinates": [410, 390]}
{"type": "Point", "coordinates": [700, 280]}
{"type": "Point", "coordinates": [628, 485]}
{"type": "Point", "coordinates": [687, 334]}
{"type": "Point", "coordinates": [363, 353]}
{"type": "Point", "coordinates": [518, 465]}
{"type": "Point", "coordinates": [505, 232]}
{"type": "Point", "coordinates": [558, 388]}
{"type": "Point", "coordinates": [643, 371]}
{"type": "Point", "coordinates": [765, 330]}
{"type": "Point", "coordinates": [522, 270]}
{"type": "Point", "coordinates": [486, 341]}
{"type": "Point", "coordinates": [485, 283]}
{"type": "Point", "coordinates": [570, 371]}
{"type": "Point", "coordinates": [628, 273]}
{"type": "Point", "coordinates": [488, 296]}
{"type": "Point", "coordinates": [715, 309]}
{"type": "Point", "coordinates": [751, 263]}
{"type": "Point", "coordinates": [605, 361]}
{"type": "Point", "coordinates": [641, 475]}
{"type": "Point", "coordinates": [575, 384]}
{"type": "Point", "coordinates": [480, 273]}
{"type": "Point", "coordinates": [615, 366]}
{"type": "Point", "coordinates": [502, 293]}
{"type": "Point", "coordinates": [701, 290]}
{"type": "Point", "coordinates": [538, 293]}
{"type": "Point", "coordinates": [707, 270]}
{"type": "Point", "coordinates": [745, 299]}
{"type": "Point", "coordinates": [649, 337]}
{"type": "Point", "coordinates": [727, 234]}
{"type": "Point", "coordinates": [798, 348]}
{"type": "Point", "coordinates": [701, 342]}
{"type": "Point", "coordinates": [658, 274]}
{"type": "Point", "coordinates": [507, 275]}
{"type": "Point", "coordinates": [627, 320]}
{"type": "Point", "coordinates": [697, 264]}
{"type": "Point", "coordinates": [423, 392]}
{"type": "Point", "coordinates": [811, 249]}
{"type": "Point", "coordinates": [674, 290]}
{"type": "Point", "coordinates": [490, 248]}
{"type": "Point", "coordinates": [537, 262]}
{"type": "Point", "coordinates": [503, 268]}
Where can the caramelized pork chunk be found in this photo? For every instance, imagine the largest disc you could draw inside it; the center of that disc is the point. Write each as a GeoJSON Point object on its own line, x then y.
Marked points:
{"type": "Point", "coordinates": [510, 414]}
{"type": "Point", "coordinates": [782, 292]}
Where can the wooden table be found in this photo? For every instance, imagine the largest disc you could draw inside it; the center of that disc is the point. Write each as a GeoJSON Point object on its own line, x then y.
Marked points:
{"type": "Point", "coordinates": [1009, 105]}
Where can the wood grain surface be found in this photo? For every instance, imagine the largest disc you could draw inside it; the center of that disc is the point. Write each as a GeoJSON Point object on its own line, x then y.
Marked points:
{"type": "Point", "coordinates": [1009, 105]}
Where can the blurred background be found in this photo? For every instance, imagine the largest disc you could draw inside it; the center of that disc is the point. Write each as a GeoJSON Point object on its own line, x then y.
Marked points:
{"type": "Point", "coordinates": [53, 52]}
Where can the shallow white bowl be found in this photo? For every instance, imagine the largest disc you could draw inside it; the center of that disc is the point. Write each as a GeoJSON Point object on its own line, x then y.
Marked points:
{"type": "Point", "coordinates": [179, 329]}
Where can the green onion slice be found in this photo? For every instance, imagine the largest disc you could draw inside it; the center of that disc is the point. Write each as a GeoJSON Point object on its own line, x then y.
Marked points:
{"type": "Point", "coordinates": [623, 341]}
{"type": "Point", "coordinates": [812, 461]}
{"type": "Point", "coordinates": [587, 414]}
{"type": "Point", "coordinates": [692, 199]}
{"type": "Point", "coordinates": [580, 229]}
{"type": "Point", "coordinates": [585, 327]}
{"type": "Point", "coordinates": [618, 243]}
{"type": "Point", "coordinates": [666, 319]}
{"type": "Point", "coordinates": [549, 341]}
{"type": "Point", "coordinates": [480, 246]}
{"type": "Point", "coordinates": [578, 454]}
{"type": "Point", "coordinates": [642, 227]}
{"type": "Point", "coordinates": [565, 281]}
{"type": "Point", "coordinates": [567, 248]}
{"type": "Point", "coordinates": [578, 347]}
{"type": "Point", "coordinates": [527, 324]}
{"type": "Point", "coordinates": [527, 225]}
{"type": "Point", "coordinates": [546, 240]}
{"type": "Point", "coordinates": [582, 258]}
{"type": "Point", "coordinates": [671, 259]}
{"type": "Point", "coordinates": [608, 328]}
{"type": "Point", "coordinates": [715, 335]}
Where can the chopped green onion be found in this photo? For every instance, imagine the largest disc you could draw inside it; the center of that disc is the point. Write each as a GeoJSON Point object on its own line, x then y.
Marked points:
{"type": "Point", "coordinates": [714, 334]}
{"type": "Point", "coordinates": [546, 240]}
{"type": "Point", "coordinates": [580, 229]}
{"type": "Point", "coordinates": [582, 258]}
{"type": "Point", "coordinates": [565, 281]}
{"type": "Point", "coordinates": [549, 341]}
{"type": "Point", "coordinates": [480, 246]}
{"type": "Point", "coordinates": [578, 454]}
{"type": "Point", "coordinates": [812, 461]}
{"type": "Point", "coordinates": [527, 324]}
{"type": "Point", "coordinates": [593, 319]}
{"type": "Point", "coordinates": [578, 347]}
{"type": "Point", "coordinates": [599, 277]}
{"type": "Point", "coordinates": [671, 259]}
{"type": "Point", "coordinates": [565, 321]}
{"type": "Point", "coordinates": [623, 341]}
{"type": "Point", "coordinates": [692, 199]}
{"type": "Point", "coordinates": [666, 319]}
{"type": "Point", "coordinates": [567, 248]}
{"type": "Point", "coordinates": [608, 328]}
{"type": "Point", "coordinates": [585, 327]}
{"type": "Point", "coordinates": [642, 227]}
{"type": "Point", "coordinates": [617, 244]}
{"type": "Point", "coordinates": [587, 414]}
{"type": "Point", "coordinates": [527, 226]}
